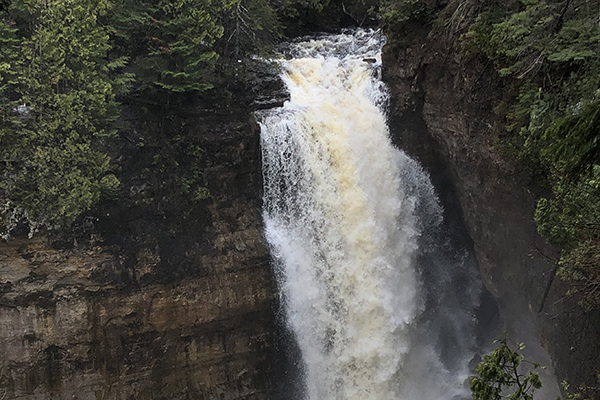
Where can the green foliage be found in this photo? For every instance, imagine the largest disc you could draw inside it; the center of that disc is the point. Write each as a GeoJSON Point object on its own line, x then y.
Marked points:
{"type": "Point", "coordinates": [9, 57]}
{"type": "Point", "coordinates": [398, 14]}
{"type": "Point", "coordinates": [58, 105]}
{"type": "Point", "coordinates": [548, 52]}
{"type": "Point", "coordinates": [251, 26]}
{"type": "Point", "coordinates": [583, 392]}
{"type": "Point", "coordinates": [571, 144]}
{"type": "Point", "coordinates": [500, 376]}
{"type": "Point", "coordinates": [181, 37]}
{"type": "Point", "coordinates": [580, 267]}
{"type": "Point", "coordinates": [62, 65]}
{"type": "Point", "coordinates": [65, 64]}
{"type": "Point", "coordinates": [176, 44]}
{"type": "Point", "coordinates": [571, 221]}
{"type": "Point", "coordinates": [522, 37]}
{"type": "Point", "coordinates": [172, 41]}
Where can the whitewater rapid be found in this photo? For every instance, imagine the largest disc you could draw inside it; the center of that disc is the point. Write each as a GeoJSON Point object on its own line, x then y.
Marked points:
{"type": "Point", "coordinates": [345, 213]}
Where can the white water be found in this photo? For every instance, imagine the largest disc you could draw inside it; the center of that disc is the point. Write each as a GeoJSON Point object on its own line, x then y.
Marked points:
{"type": "Point", "coordinates": [345, 212]}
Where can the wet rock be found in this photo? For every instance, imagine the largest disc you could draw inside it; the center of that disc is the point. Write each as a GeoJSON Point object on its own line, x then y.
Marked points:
{"type": "Point", "coordinates": [265, 85]}
{"type": "Point", "coordinates": [163, 296]}
{"type": "Point", "coordinates": [443, 112]}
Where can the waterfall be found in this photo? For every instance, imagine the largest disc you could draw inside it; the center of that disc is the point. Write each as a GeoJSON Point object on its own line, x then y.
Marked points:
{"type": "Point", "coordinates": [351, 221]}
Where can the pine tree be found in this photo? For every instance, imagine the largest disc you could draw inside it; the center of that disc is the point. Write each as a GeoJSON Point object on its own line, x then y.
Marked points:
{"type": "Point", "coordinates": [179, 38]}
{"type": "Point", "coordinates": [250, 28]}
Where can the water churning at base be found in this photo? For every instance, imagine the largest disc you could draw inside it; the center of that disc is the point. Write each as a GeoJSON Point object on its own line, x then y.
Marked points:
{"type": "Point", "coordinates": [344, 212]}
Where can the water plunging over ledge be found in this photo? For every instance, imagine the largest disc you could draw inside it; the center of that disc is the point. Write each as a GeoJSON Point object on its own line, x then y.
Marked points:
{"type": "Point", "coordinates": [378, 305]}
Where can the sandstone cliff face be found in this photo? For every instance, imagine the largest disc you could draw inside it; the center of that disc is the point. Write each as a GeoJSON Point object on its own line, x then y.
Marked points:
{"type": "Point", "coordinates": [156, 296]}
{"type": "Point", "coordinates": [443, 113]}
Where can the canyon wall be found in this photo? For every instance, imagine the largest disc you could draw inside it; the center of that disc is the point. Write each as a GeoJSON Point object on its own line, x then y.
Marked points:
{"type": "Point", "coordinates": [154, 295]}
{"type": "Point", "coordinates": [158, 295]}
{"type": "Point", "coordinates": [443, 112]}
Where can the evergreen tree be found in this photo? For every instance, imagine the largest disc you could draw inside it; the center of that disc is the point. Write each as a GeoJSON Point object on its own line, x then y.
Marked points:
{"type": "Point", "coordinates": [179, 38]}
{"type": "Point", "coordinates": [58, 107]}
{"type": "Point", "coordinates": [549, 51]}
{"type": "Point", "coordinates": [251, 26]}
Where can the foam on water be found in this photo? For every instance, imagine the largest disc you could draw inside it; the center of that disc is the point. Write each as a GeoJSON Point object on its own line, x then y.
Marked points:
{"type": "Point", "coordinates": [344, 212]}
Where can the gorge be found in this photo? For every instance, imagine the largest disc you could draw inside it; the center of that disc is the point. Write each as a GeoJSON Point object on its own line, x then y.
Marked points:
{"type": "Point", "coordinates": [191, 283]}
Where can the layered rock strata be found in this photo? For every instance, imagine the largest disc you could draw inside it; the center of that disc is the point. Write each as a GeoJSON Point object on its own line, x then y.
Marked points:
{"type": "Point", "coordinates": [155, 296]}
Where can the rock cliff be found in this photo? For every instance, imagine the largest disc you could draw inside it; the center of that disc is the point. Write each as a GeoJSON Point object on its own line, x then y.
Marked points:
{"type": "Point", "coordinates": [443, 112]}
{"type": "Point", "coordinates": [160, 294]}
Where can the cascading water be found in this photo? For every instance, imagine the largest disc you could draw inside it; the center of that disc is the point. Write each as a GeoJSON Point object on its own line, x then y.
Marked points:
{"type": "Point", "coordinates": [351, 221]}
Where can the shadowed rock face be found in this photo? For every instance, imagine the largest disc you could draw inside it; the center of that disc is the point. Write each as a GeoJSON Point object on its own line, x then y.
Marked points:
{"type": "Point", "coordinates": [443, 113]}
{"type": "Point", "coordinates": [65, 335]}
{"type": "Point", "coordinates": [157, 295]}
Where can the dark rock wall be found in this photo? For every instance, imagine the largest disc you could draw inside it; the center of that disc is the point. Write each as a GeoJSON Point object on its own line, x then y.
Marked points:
{"type": "Point", "coordinates": [443, 113]}
{"type": "Point", "coordinates": [155, 296]}
{"type": "Point", "coordinates": [159, 297]}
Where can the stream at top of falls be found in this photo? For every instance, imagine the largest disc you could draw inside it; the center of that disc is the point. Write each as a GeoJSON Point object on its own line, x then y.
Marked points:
{"type": "Point", "coordinates": [380, 305]}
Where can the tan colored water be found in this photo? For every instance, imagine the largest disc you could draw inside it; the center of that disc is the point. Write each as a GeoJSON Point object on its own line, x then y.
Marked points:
{"type": "Point", "coordinates": [343, 228]}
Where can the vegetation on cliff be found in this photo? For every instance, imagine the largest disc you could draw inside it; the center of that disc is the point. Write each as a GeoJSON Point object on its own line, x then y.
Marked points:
{"type": "Point", "coordinates": [57, 105]}
{"type": "Point", "coordinates": [62, 69]}
{"type": "Point", "coordinates": [501, 372]}
{"type": "Point", "coordinates": [531, 70]}
{"type": "Point", "coordinates": [548, 55]}
{"type": "Point", "coordinates": [504, 373]}
{"type": "Point", "coordinates": [549, 52]}
{"type": "Point", "coordinates": [65, 66]}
